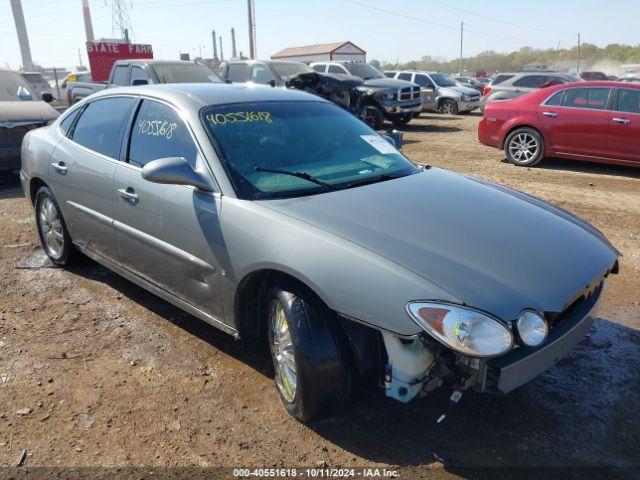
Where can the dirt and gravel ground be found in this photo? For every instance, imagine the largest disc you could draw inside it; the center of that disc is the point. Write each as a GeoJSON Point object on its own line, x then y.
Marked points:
{"type": "Point", "coordinates": [95, 372]}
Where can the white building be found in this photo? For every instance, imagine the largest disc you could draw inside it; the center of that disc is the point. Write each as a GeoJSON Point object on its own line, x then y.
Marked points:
{"type": "Point", "coordinates": [318, 53]}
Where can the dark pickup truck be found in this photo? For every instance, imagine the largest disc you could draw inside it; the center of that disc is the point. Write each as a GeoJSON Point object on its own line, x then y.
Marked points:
{"type": "Point", "coordinates": [144, 72]}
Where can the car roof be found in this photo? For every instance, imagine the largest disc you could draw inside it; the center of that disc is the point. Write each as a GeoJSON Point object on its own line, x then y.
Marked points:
{"type": "Point", "coordinates": [231, 62]}
{"type": "Point", "coordinates": [151, 61]}
{"type": "Point", "coordinates": [600, 83]}
{"type": "Point", "coordinates": [197, 95]}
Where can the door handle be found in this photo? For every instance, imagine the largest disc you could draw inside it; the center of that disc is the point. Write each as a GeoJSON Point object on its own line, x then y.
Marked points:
{"type": "Point", "coordinates": [550, 114]}
{"type": "Point", "coordinates": [624, 121]}
{"type": "Point", "coordinates": [129, 195]}
{"type": "Point", "coordinates": [59, 167]}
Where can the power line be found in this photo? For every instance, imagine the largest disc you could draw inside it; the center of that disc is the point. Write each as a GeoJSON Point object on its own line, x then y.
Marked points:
{"type": "Point", "coordinates": [429, 22]}
{"type": "Point", "coordinates": [442, 4]}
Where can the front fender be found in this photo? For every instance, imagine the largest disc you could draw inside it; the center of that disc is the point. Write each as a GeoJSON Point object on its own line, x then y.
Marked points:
{"type": "Point", "coordinates": [350, 279]}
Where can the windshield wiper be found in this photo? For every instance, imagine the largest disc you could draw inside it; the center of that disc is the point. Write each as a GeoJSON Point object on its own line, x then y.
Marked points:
{"type": "Point", "coordinates": [303, 175]}
{"type": "Point", "coordinates": [380, 178]}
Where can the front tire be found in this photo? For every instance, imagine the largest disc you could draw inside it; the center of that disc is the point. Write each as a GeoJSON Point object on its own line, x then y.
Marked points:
{"type": "Point", "coordinates": [374, 117]}
{"type": "Point", "coordinates": [448, 107]}
{"type": "Point", "coordinates": [52, 229]}
{"type": "Point", "coordinates": [524, 147]}
{"type": "Point", "coordinates": [400, 120]}
{"type": "Point", "coordinates": [310, 354]}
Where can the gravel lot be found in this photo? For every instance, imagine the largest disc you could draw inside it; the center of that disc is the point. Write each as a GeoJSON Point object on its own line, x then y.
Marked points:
{"type": "Point", "coordinates": [95, 372]}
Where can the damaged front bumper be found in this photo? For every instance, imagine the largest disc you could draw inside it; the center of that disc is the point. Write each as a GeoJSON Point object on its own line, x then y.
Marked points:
{"type": "Point", "coordinates": [523, 364]}
{"type": "Point", "coordinates": [417, 366]}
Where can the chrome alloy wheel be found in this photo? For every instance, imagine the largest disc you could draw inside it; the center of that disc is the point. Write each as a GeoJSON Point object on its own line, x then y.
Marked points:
{"type": "Point", "coordinates": [448, 108]}
{"type": "Point", "coordinates": [282, 352]}
{"type": "Point", "coordinates": [51, 227]}
{"type": "Point", "coordinates": [523, 148]}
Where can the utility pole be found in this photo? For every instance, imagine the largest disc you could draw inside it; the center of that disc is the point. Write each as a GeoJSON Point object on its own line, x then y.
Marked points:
{"type": "Point", "coordinates": [215, 46]}
{"type": "Point", "coordinates": [252, 33]}
{"type": "Point", "coordinates": [221, 52]}
{"type": "Point", "coordinates": [88, 26]}
{"type": "Point", "coordinates": [579, 41]}
{"type": "Point", "coordinates": [461, 40]}
{"type": "Point", "coordinates": [23, 37]}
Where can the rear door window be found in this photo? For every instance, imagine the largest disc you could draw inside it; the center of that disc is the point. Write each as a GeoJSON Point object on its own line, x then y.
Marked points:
{"type": "Point", "coordinates": [423, 81]}
{"type": "Point", "coordinates": [591, 98]}
{"type": "Point", "coordinates": [628, 100]}
{"type": "Point", "coordinates": [319, 68]}
{"type": "Point", "coordinates": [121, 75]}
{"type": "Point", "coordinates": [101, 125]}
{"type": "Point", "coordinates": [159, 132]}
{"type": "Point", "coordinates": [260, 74]}
{"type": "Point", "coordinates": [238, 72]}
{"type": "Point", "coordinates": [138, 76]}
{"type": "Point", "coordinates": [405, 76]}
{"type": "Point", "coordinates": [336, 69]}
{"type": "Point", "coordinates": [530, 81]}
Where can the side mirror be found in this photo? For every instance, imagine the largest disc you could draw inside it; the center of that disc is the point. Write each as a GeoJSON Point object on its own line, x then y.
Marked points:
{"type": "Point", "coordinates": [140, 81]}
{"type": "Point", "coordinates": [272, 82]}
{"type": "Point", "coordinates": [175, 171]}
{"type": "Point", "coordinates": [47, 97]}
{"type": "Point", "coordinates": [394, 137]}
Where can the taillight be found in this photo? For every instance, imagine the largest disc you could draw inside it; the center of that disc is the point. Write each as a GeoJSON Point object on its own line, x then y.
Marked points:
{"type": "Point", "coordinates": [486, 91]}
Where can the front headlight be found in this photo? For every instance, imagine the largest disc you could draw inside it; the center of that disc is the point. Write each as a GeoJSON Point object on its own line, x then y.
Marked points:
{"type": "Point", "coordinates": [387, 96]}
{"type": "Point", "coordinates": [464, 330]}
{"type": "Point", "coordinates": [466, 98]}
{"type": "Point", "coordinates": [532, 328]}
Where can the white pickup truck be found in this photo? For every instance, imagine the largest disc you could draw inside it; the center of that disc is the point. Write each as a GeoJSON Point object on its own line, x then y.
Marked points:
{"type": "Point", "coordinates": [144, 72]}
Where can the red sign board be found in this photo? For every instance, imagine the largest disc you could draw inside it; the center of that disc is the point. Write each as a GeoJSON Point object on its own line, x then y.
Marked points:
{"type": "Point", "coordinates": [102, 55]}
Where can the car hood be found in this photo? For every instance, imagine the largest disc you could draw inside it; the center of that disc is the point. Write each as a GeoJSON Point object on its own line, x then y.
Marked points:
{"type": "Point", "coordinates": [490, 247]}
{"type": "Point", "coordinates": [457, 90]}
{"type": "Point", "coordinates": [388, 83]}
{"type": "Point", "coordinates": [37, 111]}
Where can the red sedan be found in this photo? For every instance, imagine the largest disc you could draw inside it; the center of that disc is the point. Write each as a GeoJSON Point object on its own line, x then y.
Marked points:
{"type": "Point", "coordinates": [595, 122]}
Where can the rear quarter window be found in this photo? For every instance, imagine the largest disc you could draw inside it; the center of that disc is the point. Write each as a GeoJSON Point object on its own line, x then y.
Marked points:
{"type": "Point", "coordinates": [501, 79]}
{"type": "Point", "coordinates": [530, 81]}
{"type": "Point", "coordinates": [238, 72]}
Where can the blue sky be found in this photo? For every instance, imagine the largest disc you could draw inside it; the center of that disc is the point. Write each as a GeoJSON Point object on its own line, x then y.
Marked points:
{"type": "Point", "coordinates": [56, 30]}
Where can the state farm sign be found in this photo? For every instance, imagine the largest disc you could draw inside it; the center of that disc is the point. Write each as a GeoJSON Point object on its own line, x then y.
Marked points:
{"type": "Point", "coordinates": [102, 55]}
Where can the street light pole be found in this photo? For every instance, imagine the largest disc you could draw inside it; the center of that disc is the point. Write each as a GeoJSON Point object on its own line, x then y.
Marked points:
{"type": "Point", "coordinates": [252, 35]}
{"type": "Point", "coordinates": [461, 40]}
{"type": "Point", "coordinates": [578, 69]}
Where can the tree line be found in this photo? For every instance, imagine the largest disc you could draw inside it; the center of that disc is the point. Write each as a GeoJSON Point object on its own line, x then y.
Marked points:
{"type": "Point", "coordinates": [491, 61]}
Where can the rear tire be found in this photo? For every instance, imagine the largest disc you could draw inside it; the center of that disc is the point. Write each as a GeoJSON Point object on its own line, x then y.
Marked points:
{"type": "Point", "coordinates": [52, 229]}
{"type": "Point", "coordinates": [524, 147]}
{"type": "Point", "coordinates": [310, 354]}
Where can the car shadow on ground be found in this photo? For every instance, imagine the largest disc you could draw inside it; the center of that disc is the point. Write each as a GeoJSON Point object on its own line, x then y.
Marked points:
{"type": "Point", "coordinates": [429, 128]}
{"type": "Point", "coordinates": [581, 413]}
{"type": "Point", "coordinates": [587, 167]}
{"type": "Point", "coordinates": [10, 186]}
{"type": "Point", "coordinates": [253, 353]}
{"type": "Point", "coordinates": [575, 415]}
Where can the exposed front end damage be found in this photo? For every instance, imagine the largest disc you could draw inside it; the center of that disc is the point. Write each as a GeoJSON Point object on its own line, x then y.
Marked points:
{"type": "Point", "coordinates": [339, 89]}
{"type": "Point", "coordinates": [419, 365]}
